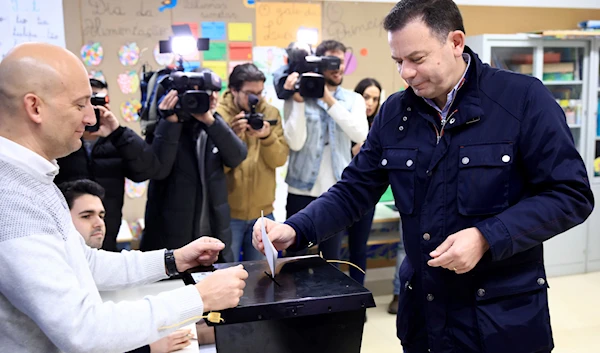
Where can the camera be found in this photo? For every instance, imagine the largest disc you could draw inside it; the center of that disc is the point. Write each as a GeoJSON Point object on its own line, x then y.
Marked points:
{"type": "Point", "coordinates": [256, 120]}
{"type": "Point", "coordinates": [97, 99]}
{"type": "Point", "coordinates": [193, 89]}
{"type": "Point", "coordinates": [312, 82]}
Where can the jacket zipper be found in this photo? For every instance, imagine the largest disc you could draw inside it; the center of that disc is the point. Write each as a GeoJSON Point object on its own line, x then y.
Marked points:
{"type": "Point", "coordinates": [440, 133]}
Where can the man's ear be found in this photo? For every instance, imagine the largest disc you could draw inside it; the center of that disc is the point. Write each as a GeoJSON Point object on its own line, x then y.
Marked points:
{"type": "Point", "coordinates": [33, 107]}
{"type": "Point", "coordinates": [457, 38]}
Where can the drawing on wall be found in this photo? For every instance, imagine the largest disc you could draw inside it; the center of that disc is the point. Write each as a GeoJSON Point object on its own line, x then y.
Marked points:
{"type": "Point", "coordinates": [98, 75]}
{"type": "Point", "coordinates": [350, 61]}
{"type": "Point", "coordinates": [129, 54]}
{"type": "Point", "coordinates": [167, 4]}
{"type": "Point", "coordinates": [128, 82]}
{"type": "Point", "coordinates": [268, 60]}
{"type": "Point", "coordinates": [92, 54]}
{"type": "Point", "coordinates": [135, 190]}
{"type": "Point", "coordinates": [129, 110]}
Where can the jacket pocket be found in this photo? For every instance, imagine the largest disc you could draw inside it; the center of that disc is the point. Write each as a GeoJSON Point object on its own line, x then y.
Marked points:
{"type": "Point", "coordinates": [483, 178]}
{"type": "Point", "coordinates": [407, 304]}
{"type": "Point", "coordinates": [512, 311]}
{"type": "Point", "coordinates": [401, 165]}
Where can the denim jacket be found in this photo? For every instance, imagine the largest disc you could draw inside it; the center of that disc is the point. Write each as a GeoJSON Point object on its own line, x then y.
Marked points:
{"type": "Point", "coordinates": [303, 166]}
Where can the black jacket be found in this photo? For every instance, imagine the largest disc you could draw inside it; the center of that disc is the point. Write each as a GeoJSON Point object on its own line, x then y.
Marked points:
{"type": "Point", "coordinates": [122, 154]}
{"type": "Point", "coordinates": [175, 195]}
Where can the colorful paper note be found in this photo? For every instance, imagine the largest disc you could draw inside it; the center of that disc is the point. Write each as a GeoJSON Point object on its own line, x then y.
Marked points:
{"type": "Point", "coordinates": [216, 51]}
{"type": "Point", "coordinates": [129, 82]}
{"type": "Point", "coordinates": [213, 30]}
{"type": "Point", "coordinates": [218, 67]}
{"type": "Point", "coordinates": [277, 23]}
{"type": "Point", "coordinates": [240, 51]}
{"type": "Point", "coordinates": [240, 31]}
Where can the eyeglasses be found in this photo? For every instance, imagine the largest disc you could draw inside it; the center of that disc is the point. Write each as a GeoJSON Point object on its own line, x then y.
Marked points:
{"type": "Point", "coordinates": [259, 94]}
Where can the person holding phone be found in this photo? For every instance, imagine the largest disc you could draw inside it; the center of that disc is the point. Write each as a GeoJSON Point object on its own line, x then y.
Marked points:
{"type": "Point", "coordinates": [251, 185]}
{"type": "Point", "coordinates": [109, 154]}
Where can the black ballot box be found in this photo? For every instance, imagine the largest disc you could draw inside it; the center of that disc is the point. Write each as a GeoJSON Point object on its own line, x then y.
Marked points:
{"type": "Point", "coordinates": [310, 307]}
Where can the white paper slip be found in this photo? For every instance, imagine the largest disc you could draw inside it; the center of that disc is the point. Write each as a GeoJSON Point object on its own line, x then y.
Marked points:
{"type": "Point", "coordinates": [270, 251]}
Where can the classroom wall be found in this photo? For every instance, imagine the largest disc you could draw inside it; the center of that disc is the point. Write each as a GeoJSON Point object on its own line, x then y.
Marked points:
{"type": "Point", "coordinates": [357, 24]}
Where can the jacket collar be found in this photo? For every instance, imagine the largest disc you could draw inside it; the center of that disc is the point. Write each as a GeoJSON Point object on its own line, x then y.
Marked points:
{"type": "Point", "coordinates": [467, 103]}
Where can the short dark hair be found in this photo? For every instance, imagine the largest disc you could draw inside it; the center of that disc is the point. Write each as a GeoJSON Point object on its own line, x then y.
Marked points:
{"type": "Point", "coordinates": [329, 45]}
{"type": "Point", "coordinates": [441, 16]}
{"type": "Point", "coordinates": [74, 189]}
{"type": "Point", "coordinates": [244, 73]}
{"type": "Point", "coordinates": [97, 83]}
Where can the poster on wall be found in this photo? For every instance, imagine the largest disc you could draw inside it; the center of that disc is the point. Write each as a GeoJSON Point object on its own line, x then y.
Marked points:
{"type": "Point", "coordinates": [30, 21]}
{"type": "Point", "coordinates": [268, 60]}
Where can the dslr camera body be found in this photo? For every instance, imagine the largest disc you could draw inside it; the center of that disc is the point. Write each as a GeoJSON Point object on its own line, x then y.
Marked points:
{"type": "Point", "coordinates": [310, 67]}
{"type": "Point", "coordinates": [256, 120]}
{"type": "Point", "coordinates": [97, 99]}
{"type": "Point", "coordinates": [193, 89]}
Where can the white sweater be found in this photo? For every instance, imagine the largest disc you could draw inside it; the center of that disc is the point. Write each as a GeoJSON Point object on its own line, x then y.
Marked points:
{"type": "Point", "coordinates": [49, 281]}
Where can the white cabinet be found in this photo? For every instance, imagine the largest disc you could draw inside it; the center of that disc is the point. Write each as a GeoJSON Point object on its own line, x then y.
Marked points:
{"type": "Point", "coordinates": [569, 69]}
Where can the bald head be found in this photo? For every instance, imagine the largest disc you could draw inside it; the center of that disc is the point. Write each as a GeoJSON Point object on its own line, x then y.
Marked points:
{"type": "Point", "coordinates": [44, 99]}
{"type": "Point", "coordinates": [38, 68]}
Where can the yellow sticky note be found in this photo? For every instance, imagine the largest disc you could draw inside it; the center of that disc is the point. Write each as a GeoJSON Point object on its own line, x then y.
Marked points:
{"type": "Point", "coordinates": [240, 32]}
{"type": "Point", "coordinates": [277, 23]}
{"type": "Point", "coordinates": [219, 67]}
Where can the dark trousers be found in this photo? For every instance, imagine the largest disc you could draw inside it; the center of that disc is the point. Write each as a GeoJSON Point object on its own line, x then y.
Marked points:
{"type": "Point", "coordinates": [331, 248]}
{"type": "Point", "coordinates": [358, 234]}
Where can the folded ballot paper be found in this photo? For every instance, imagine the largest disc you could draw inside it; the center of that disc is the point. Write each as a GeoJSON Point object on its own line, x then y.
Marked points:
{"type": "Point", "coordinates": [270, 250]}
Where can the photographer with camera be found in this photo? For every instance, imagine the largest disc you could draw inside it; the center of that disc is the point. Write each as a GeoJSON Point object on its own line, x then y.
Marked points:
{"type": "Point", "coordinates": [109, 154]}
{"type": "Point", "coordinates": [187, 199]}
{"type": "Point", "coordinates": [252, 184]}
{"type": "Point", "coordinates": [320, 131]}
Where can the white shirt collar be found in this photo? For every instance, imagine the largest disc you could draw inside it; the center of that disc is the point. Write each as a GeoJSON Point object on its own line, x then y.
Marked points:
{"type": "Point", "coordinates": [21, 156]}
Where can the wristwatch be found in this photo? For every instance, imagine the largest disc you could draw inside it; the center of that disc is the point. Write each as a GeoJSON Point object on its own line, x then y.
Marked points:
{"type": "Point", "coordinates": [170, 263]}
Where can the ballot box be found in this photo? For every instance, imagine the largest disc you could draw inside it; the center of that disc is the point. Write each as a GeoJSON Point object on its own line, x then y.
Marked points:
{"type": "Point", "coordinates": [309, 306]}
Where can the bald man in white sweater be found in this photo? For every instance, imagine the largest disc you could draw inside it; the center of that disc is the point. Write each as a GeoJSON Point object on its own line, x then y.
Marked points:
{"type": "Point", "coordinates": [49, 300]}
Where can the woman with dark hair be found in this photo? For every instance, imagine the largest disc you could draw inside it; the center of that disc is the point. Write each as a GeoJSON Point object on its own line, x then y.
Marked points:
{"type": "Point", "coordinates": [358, 234]}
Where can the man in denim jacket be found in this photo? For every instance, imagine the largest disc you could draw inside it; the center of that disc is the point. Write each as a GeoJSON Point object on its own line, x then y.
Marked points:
{"type": "Point", "coordinates": [319, 133]}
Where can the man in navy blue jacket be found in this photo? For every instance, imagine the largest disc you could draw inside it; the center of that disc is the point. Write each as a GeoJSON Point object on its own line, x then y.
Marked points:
{"type": "Point", "coordinates": [483, 168]}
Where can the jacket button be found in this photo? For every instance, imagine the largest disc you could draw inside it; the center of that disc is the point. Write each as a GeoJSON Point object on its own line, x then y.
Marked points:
{"type": "Point", "coordinates": [481, 292]}
{"type": "Point", "coordinates": [401, 128]}
{"type": "Point", "coordinates": [506, 158]}
{"type": "Point", "coordinates": [409, 163]}
{"type": "Point", "coordinates": [408, 109]}
{"type": "Point", "coordinates": [384, 162]}
{"type": "Point", "coordinates": [452, 121]}
{"type": "Point", "coordinates": [465, 160]}
{"type": "Point", "coordinates": [541, 281]}
{"type": "Point", "coordinates": [215, 150]}
{"type": "Point", "coordinates": [430, 297]}
{"type": "Point", "coordinates": [428, 172]}
{"type": "Point", "coordinates": [404, 119]}
{"type": "Point", "coordinates": [426, 236]}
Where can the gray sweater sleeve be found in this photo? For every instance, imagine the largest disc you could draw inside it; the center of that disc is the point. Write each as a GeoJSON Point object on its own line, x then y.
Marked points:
{"type": "Point", "coordinates": [49, 279]}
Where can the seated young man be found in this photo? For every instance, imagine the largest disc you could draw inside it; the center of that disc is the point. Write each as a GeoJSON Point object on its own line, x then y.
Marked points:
{"type": "Point", "coordinates": [84, 198]}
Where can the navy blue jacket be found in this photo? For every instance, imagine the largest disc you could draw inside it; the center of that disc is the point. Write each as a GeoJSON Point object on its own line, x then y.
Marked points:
{"type": "Point", "coordinates": [507, 165]}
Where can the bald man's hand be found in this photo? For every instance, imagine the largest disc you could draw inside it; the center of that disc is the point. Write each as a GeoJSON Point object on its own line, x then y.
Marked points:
{"type": "Point", "coordinates": [108, 122]}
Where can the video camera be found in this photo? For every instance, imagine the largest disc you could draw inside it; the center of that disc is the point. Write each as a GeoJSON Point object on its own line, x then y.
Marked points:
{"type": "Point", "coordinates": [256, 120]}
{"type": "Point", "coordinates": [312, 82]}
{"type": "Point", "coordinates": [97, 99]}
{"type": "Point", "coordinates": [193, 89]}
